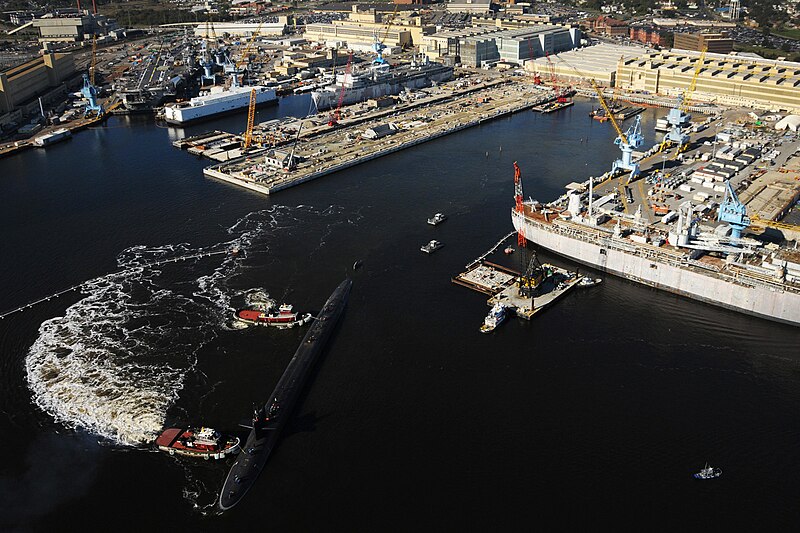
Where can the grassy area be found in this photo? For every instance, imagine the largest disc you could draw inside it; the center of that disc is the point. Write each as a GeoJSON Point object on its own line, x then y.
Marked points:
{"type": "Point", "coordinates": [786, 32]}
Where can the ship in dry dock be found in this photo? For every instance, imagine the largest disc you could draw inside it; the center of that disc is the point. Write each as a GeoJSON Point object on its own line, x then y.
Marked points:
{"type": "Point", "coordinates": [380, 80]}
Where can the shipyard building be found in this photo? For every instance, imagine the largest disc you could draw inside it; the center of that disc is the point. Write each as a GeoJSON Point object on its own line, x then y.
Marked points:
{"type": "Point", "coordinates": [44, 77]}
{"type": "Point", "coordinates": [478, 47]}
{"type": "Point", "coordinates": [363, 28]}
{"type": "Point", "coordinates": [598, 62]}
{"type": "Point", "coordinates": [725, 79]}
{"type": "Point", "coordinates": [718, 43]}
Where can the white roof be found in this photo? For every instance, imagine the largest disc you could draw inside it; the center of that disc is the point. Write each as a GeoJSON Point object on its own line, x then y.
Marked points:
{"type": "Point", "coordinates": [791, 122]}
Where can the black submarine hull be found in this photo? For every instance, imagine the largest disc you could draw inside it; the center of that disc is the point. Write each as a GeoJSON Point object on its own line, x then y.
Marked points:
{"type": "Point", "coordinates": [272, 418]}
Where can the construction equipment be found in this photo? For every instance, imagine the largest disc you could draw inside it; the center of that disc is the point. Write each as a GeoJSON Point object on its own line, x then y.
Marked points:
{"type": "Point", "coordinates": [626, 141]}
{"type": "Point", "coordinates": [678, 118]}
{"type": "Point", "coordinates": [89, 90]}
{"type": "Point", "coordinates": [333, 120]}
{"type": "Point", "coordinates": [251, 120]}
{"type": "Point", "coordinates": [245, 57]}
{"type": "Point", "coordinates": [734, 212]}
{"type": "Point", "coordinates": [378, 46]}
{"type": "Point", "coordinates": [561, 93]}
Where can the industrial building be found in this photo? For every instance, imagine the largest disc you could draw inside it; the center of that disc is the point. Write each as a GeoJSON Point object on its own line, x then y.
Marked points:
{"type": "Point", "coordinates": [724, 79]}
{"type": "Point", "coordinates": [718, 43]}
{"type": "Point", "coordinates": [598, 62]}
{"type": "Point", "coordinates": [469, 6]}
{"type": "Point", "coordinates": [240, 29]}
{"type": "Point", "coordinates": [70, 28]}
{"type": "Point", "coordinates": [479, 47]}
{"type": "Point", "coordinates": [511, 22]}
{"type": "Point", "coordinates": [23, 83]}
{"type": "Point", "coordinates": [363, 28]}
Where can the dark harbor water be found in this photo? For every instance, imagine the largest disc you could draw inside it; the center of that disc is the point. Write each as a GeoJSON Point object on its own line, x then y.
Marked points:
{"type": "Point", "coordinates": [594, 414]}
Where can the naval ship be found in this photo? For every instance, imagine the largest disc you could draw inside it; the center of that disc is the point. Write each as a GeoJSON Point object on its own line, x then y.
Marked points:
{"type": "Point", "coordinates": [721, 268]}
{"type": "Point", "coordinates": [380, 80]}
{"type": "Point", "coordinates": [270, 419]}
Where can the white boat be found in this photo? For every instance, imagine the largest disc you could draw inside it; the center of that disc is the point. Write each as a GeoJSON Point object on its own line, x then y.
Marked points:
{"type": "Point", "coordinates": [432, 246]}
{"type": "Point", "coordinates": [589, 282]}
{"type": "Point", "coordinates": [54, 137]}
{"type": "Point", "coordinates": [708, 472]}
{"type": "Point", "coordinates": [495, 317]}
{"type": "Point", "coordinates": [437, 219]}
{"type": "Point", "coordinates": [218, 101]}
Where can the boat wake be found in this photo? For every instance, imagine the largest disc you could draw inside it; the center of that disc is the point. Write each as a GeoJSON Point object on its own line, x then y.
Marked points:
{"type": "Point", "coordinates": [118, 358]}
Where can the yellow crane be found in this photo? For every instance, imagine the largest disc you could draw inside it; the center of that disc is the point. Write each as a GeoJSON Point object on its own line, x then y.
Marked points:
{"type": "Point", "coordinates": [389, 24]}
{"type": "Point", "coordinates": [251, 120]}
{"type": "Point", "coordinates": [246, 52]}
{"type": "Point", "coordinates": [607, 109]}
{"type": "Point", "coordinates": [697, 68]}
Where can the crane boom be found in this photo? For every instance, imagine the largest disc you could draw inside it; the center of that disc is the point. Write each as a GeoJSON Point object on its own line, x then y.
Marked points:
{"type": "Point", "coordinates": [697, 68]}
{"type": "Point", "coordinates": [389, 24]}
{"type": "Point", "coordinates": [251, 120]}
{"type": "Point", "coordinates": [609, 114]}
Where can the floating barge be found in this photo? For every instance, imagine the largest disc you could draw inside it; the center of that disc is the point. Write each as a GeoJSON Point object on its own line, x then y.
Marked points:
{"type": "Point", "coordinates": [503, 285]}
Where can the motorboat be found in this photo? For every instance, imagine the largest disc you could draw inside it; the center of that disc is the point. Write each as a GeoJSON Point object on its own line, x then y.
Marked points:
{"type": "Point", "coordinates": [708, 472]}
{"type": "Point", "coordinates": [589, 282]}
{"type": "Point", "coordinates": [437, 219]}
{"type": "Point", "coordinates": [508, 250]}
{"type": "Point", "coordinates": [432, 246]}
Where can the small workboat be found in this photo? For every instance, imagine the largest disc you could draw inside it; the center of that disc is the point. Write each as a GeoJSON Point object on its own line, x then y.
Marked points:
{"type": "Point", "coordinates": [496, 316]}
{"type": "Point", "coordinates": [508, 250]}
{"type": "Point", "coordinates": [437, 219]}
{"type": "Point", "coordinates": [432, 246]}
{"type": "Point", "coordinates": [284, 317]}
{"type": "Point", "coordinates": [708, 472]}
{"type": "Point", "coordinates": [204, 443]}
{"type": "Point", "coordinates": [589, 282]}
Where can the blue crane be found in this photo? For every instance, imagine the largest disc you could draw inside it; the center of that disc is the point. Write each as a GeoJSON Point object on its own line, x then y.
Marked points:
{"type": "Point", "coordinates": [89, 92]}
{"type": "Point", "coordinates": [631, 140]}
{"type": "Point", "coordinates": [734, 212]}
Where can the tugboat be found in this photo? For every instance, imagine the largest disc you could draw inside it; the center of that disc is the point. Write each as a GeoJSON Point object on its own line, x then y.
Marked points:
{"type": "Point", "coordinates": [205, 443]}
{"type": "Point", "coordinates": [432, 246]}
{"type": "Point", "coordinates": [283, 317]}
{"type": "Point", "coordinates": [708, 473]}
{"type": "Point", "coordinates": [437, 219]}
{"type": "Point", "coordinates": [495, 317]}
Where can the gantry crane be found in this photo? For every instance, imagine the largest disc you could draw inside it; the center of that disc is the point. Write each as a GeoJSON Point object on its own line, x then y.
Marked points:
{"type": "Point", "coordinates": [678, 118]}
{"type": "Point", "coordinates": [627, 141]}
{"type": "Point", "coordinates": [89, 90]}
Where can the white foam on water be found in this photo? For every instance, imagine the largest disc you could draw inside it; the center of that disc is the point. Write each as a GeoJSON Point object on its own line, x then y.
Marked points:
{"type": "Point", "coordinates": [117, 360]}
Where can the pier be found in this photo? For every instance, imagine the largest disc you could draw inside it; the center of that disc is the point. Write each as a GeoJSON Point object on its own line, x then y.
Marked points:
{"type": "Point", "coordinates": [324, 150]}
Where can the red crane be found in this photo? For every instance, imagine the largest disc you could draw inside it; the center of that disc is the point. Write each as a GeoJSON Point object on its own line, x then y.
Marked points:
{"type": "Point", "coordinates": [560, 93]}
{"type": "Point", "coordinates": [333, 120]}
{"type": "Point", "coordinates": [537, 80]}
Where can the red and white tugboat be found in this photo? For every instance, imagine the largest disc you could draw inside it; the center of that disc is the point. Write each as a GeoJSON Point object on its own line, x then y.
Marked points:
{"type": "Point", "coordinates": [197, 442]}
{"type": "Point", "coordinates": [283, 317]}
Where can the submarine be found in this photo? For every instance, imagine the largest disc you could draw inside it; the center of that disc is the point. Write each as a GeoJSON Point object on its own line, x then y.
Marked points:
{"type": "Point", "coordinates": [270, 419]}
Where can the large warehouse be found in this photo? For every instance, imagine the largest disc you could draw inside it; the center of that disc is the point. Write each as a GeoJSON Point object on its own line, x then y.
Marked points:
{"type": "Point", "coordinates": [22, 83]}
{"type": "Point", "coordinates": [725, 79]}
{"type": "Point", "coordinates": [478, 47]}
